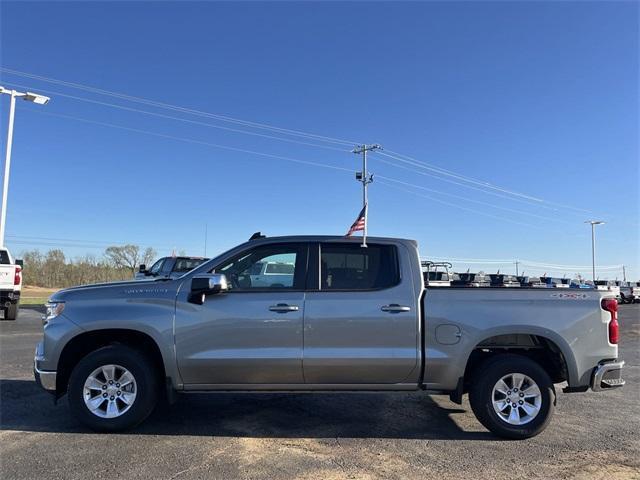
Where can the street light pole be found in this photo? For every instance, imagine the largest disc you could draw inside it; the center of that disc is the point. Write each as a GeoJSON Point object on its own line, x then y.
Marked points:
{"type": "Point", "coordinates": [31, 97]}
{"type": "Point", "coordinates": [593, 245]}
{"type": "Point", "coordinates": [7, 166]}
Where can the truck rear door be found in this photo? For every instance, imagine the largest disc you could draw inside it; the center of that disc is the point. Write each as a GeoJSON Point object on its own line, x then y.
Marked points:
{"type": "Point", "coordinates": [360, 321]}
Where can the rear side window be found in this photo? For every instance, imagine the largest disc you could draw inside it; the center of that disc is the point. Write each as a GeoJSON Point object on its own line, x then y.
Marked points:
{"type": "Point", "coordinates": [4, 258]}
{"type": "Point", "coordinates": [352, 267]}
{"type": "Point", "coordinates": [184, 265]}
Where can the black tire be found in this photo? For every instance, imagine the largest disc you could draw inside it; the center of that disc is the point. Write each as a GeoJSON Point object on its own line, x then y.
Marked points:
{"type": "Point", "coordinates": [147, 388]}
{"type": "Point", "coordinates": [11, 312]}
{"type": "Point", "coordinates": [481, 395]}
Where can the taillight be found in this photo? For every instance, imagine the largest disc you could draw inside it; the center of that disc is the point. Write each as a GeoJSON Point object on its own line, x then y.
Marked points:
{"type": "Point", "coordinates": [17, 277]}
{"type": "Point", "coordinates": [611, 306]}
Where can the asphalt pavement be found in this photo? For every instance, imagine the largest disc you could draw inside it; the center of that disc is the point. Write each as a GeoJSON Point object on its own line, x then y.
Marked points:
{"type": "Point", "coordinates": [313, 435]}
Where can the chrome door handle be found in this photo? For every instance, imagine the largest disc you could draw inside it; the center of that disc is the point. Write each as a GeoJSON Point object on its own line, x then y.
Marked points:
{"type": "Point", "coordinates": [395, 308]}
{"type": "Point", "coordinates": [283, 308]}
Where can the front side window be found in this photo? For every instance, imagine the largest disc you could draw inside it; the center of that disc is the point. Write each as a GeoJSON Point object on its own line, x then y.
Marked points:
{"type": "Point", "coordinates": [155, 268]}
{"type": "Point", "coordinates": [271, 267]}
{"type": "Point", "coordinates": [352, 267]}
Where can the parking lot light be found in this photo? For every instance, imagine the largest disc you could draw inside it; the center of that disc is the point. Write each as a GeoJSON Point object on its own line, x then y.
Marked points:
{"type": "Point", "coordinates": [593, 245]}
{"type": "Point", "coordinates": [30, 97]}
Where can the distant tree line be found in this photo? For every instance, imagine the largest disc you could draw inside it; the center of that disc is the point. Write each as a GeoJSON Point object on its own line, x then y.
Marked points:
{"type": "Point", "coordinates": [54, 270]}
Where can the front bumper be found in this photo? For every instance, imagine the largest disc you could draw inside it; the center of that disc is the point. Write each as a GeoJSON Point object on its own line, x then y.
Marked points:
{"type": "Point", "coordinates": [46, 379]}
{"type": "Point", "coordinates": [607, 375]}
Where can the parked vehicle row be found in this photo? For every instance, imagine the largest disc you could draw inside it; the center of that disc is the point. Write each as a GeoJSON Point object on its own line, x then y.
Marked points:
{"type": "Point", "coordinates": [333, 316]}
{"type": "Point", "coordinates": [438, 274]}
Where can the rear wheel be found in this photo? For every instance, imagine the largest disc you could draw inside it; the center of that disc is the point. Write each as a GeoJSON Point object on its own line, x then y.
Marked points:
{"type": "Point", "coordinates": [513, 397]}
{"type": "Point", "coordinates": [113, 388]}
{"type": "Point", "coordinates": [11, 312]}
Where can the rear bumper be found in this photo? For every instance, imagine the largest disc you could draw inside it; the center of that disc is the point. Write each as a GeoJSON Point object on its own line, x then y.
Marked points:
{"type": "Point", "coordinates": [9, 296]}
{"type": "Point", "coordinates": [607, 375]}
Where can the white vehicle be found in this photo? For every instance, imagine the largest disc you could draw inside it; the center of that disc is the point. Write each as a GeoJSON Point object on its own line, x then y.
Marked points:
{"type": "Point", "coordinates": [635, 292]}
{"type": "Point", "coordinates": [10, 284]}
{"type": "Point", "coordinates": [268, 274]}
{"type": "Point", "coordinates": [608, 286]}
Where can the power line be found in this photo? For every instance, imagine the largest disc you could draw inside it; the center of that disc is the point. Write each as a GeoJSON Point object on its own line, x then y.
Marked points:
{"type": "Point", "coordinates": [287, 140]}
{"type": "Point", "coordinates": [57, 239]}
{"type": "Point", "coordinates": [541, 203]}
{"type": "Point", "coordinates": [485, 184]}
{"type": "Point", "coordinates": [194, 141]}
{"type": "Point", "coordinates": [185, 120]}
{"type": "Point", "coordinates": [520, 212]}
{"type": "Point", "coordinates": [294, 160]}
{"type": "Point", "coordinates": [478, 212]}
{"type": "Point", "coordinates": [449, 173]}
{"type": "Point", "coordinates": [225, 118]}
{"type": "Point", "coordinates": [485, 187]}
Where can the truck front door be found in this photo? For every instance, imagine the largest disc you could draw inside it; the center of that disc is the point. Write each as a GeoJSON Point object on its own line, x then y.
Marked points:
{"type": "Point", "coordinates": [250, 335]}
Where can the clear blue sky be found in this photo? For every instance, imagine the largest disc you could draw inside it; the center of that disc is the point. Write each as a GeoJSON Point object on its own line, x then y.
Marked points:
{"type": "Point", "coordinates": [540, 98]}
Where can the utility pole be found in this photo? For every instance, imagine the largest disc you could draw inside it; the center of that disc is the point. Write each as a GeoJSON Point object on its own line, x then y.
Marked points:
{"type": "Point", "coordinates": [365, 178]}
{"type": "Point", "coordinates": [624, 274]}
{"type": "Point", "coordinates": [30, 97]}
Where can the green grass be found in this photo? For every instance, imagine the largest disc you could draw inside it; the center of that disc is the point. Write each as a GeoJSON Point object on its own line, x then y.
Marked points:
{"type": "Point", "coordinates": [33, 300]}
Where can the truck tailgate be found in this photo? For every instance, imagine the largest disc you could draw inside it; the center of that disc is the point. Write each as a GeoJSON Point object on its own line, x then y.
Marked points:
{"type": "Point", "coordinates": [7, 274]}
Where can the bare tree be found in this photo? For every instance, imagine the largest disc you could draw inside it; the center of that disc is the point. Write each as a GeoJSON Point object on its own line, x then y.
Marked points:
{"type": "Point", "coordinates": [128, 256]}
{"type": "Point", "coordinates": [149, 256]}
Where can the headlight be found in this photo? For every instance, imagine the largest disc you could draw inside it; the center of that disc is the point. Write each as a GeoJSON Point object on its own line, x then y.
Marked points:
{"type": "Point", "coordinates": [53, 310]}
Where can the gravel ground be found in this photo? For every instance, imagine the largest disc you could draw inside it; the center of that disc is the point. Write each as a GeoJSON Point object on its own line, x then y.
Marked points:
{"type": "Point", "coordinates": [327, 436]}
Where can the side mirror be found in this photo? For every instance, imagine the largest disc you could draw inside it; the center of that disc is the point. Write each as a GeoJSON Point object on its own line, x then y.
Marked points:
{"type": "Point", "coordinates": [209, 284]}
{"type": "Point", "coordinates": [143, 268]}
{"type": "Point", "coordinates": [20, 262]}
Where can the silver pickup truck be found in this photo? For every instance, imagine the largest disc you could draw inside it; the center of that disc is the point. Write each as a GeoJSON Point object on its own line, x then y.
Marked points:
{"type": "Point", "coordinates": [349, 319]}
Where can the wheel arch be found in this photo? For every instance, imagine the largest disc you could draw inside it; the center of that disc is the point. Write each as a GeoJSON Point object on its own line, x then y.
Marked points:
{"type": "Point", "coordinates": [547, 348]}
{"type": "Point", "coordinates": [88, 341]}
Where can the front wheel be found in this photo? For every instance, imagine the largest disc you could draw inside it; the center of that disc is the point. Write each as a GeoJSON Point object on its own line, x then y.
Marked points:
{"type": "Point", "coordinates": [113, 388]}
{"type": "Point", "coordinates": [512, 396]}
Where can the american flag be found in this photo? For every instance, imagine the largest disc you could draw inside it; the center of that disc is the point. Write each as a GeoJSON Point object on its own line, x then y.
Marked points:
{"type": "Point", "coordinates": [359, 223]}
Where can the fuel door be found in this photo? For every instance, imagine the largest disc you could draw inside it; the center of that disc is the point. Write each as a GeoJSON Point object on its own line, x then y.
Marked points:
{"type": "Point", "coordinates": [448, 334]}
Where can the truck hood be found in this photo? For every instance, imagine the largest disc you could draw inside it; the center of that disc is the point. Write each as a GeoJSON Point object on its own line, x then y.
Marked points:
{"type": "Point", "coordinates": [114, 288]}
